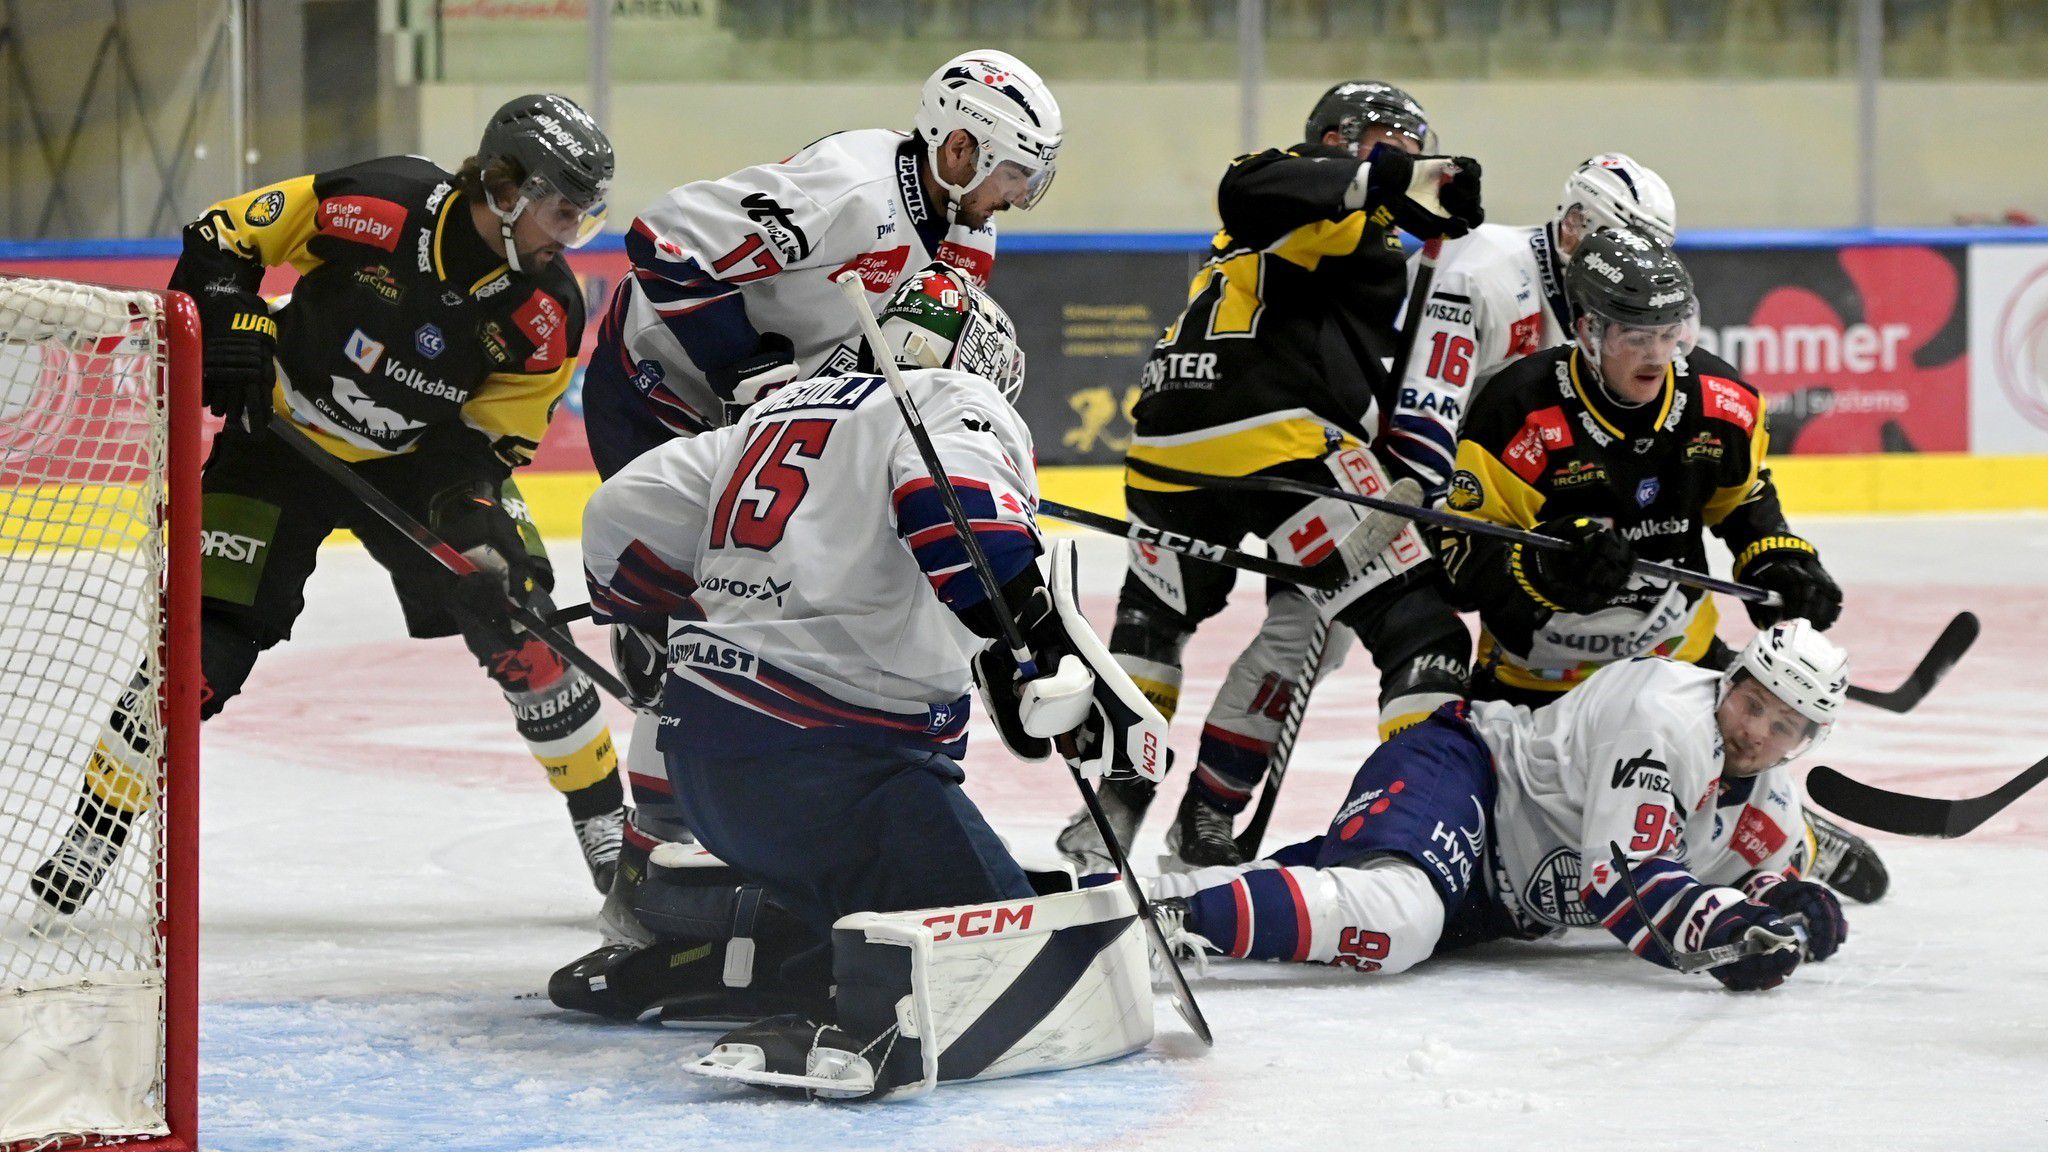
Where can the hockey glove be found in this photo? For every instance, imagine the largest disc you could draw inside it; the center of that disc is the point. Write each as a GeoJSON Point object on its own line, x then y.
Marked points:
{"type": "Point", "coordinates": [238, 364]}
{"type": "Point", "coordinates": [642, 660]}
{"type": "Point", "coordinates": [1739, 921]}
{"type": "Point", "coordinates": [471, 519]}
{"type": "Point", "coordinates": [1825, 926]}
{"type": "Point", "coordinates": [1584, 577]}
{"type": "Point", "coordinates": [1030, 713]}
{"type": "Point", "coordinates": [769, 366]}
{"type": "Point", "coordinates": [1429, 196]}
{"type": "Point", "coordinates": [1792, 569]}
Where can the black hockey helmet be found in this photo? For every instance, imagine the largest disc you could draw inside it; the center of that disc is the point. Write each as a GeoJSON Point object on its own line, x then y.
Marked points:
{"type": "Point", "coordinates": [565, 161]}
{"type": "Point", "coordinates": [1630, 279]}
{"type": "Point", "coordinates": [1354, 106]}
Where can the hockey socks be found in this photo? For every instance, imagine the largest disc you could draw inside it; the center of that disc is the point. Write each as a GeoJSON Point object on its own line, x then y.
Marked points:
{"type": "Point", "coordinates": [1379, 916]}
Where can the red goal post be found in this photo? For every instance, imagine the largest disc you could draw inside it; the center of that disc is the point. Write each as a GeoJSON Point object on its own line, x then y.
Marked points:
{"type": "Point", "coordinates": [100, 443]}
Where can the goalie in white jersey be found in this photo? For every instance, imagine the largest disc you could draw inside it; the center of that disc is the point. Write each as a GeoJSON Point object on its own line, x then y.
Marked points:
{"type": "Point", "coordinates": [1498, 295]}
{"type": "Point", "coordinates": [1490, 820]}
{"type": "Point", "coordinates": [819, 609]}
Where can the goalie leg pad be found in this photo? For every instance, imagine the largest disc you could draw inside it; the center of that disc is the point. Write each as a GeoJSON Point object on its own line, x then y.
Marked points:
{"type": "Point", "coordinates": [972, 992]}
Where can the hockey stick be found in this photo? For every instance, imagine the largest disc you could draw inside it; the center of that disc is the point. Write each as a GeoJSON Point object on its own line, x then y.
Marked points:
{"type": "Point", "coordinates": [1947, 649]}
{"type": "Point", "coordinates": [1442, 519]}
{"type": "Point", "coordinates": [1910, 815]}
{"type": "Point", "coordinates": [1326, 574]}
{"type": "Point", "coordinates": [1254, 833]}
{"type": "Point", "coordinates": [1756, 942]}
{"type": "Point", "coordinates": [455, 562]}
{"type": "Point", "coordinates": [855, 291]}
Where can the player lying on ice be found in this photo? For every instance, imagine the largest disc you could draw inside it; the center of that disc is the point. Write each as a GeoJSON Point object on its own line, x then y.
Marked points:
{"type": "Point", "coordinates": [819, 611]}
{"type": "Point", "coordinates": [1490, 820]}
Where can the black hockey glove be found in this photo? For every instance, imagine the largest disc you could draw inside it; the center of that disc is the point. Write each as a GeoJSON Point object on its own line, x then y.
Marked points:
{"type": "Point", "coordinates": [1752, 973]}
{"type": "Point", "coordinates": [995, 670]}
{"type": "Point", "coordinates": [472, 519]}
{"type": "Point", "coordinates": [642, 660]}
{"type": "Point", "coordinates": [1791, 568]}
{"type": "Point", "coordinates": [1430, 196]}
{"type": "Point", "coordinates": [238, 363]}
{"type": "Point", "coordinates": [1825, 926]}
{"type": "Point", "coordinates": [769, 366]}
{"type": "Point", "coordinates": [1585, 577]}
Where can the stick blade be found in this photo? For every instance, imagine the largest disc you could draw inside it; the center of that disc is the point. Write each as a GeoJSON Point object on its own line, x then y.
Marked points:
{"type": "Point", "coordinates": [1910, 815]}
{"type": "Point", "coordinates": [1949, 647]}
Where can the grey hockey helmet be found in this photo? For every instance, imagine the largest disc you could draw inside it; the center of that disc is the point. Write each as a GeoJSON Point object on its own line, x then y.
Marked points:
{"type": "Point", "coordinates": [1614, 191]}
{"type": "Point", "coordinates": [566, 162]}
{"type": "Point", "coordinates": [1008, 110]}
{"type": "Point", "coordinates": [1630, 279]}
{"type": "Point", "coordinates": [1352, 108]}
{"type": "Point", "coordinates": [938, 318]}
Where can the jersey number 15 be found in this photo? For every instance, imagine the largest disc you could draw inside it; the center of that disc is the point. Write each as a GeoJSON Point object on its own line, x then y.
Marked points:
{"type": "Point", "coordinates": [765, 488]}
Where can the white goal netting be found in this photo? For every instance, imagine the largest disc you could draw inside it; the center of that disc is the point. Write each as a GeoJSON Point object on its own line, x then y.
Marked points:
{"type": "Point", "coordinates": [84, 418]}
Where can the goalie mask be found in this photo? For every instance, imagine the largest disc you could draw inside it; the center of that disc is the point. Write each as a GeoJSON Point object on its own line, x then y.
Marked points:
{"type": "Point", "coordinates": [566, 162]}
{"type": "Point", "coordinates": [999, 101]}
{"type": "Point", "coordinates": [939, 319]}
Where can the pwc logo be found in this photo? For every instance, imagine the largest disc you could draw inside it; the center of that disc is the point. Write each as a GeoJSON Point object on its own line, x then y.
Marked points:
{"type": "Point", "coordinates": [979, 922]}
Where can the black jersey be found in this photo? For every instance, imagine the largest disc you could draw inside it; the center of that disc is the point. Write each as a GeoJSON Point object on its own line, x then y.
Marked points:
{"type": "Point", "coordinates": [1545, 440]}
{"type": "Point", "coordinates": [1278, 354]}
{"type": "Point", "coordinates": [403, 320]}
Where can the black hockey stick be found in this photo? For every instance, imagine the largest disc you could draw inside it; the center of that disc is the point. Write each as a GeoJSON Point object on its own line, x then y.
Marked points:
{"type": "Point", "coordinates": [1442, 519]}
{"type": "Point", "coordinates": [455, 562]}
{"type": "Point", "coordinates": [855, 291]}
{"type": "Point", "coordinates": [1326, 574]}
{"type": "Point", "coordinates": [1910, 815]}
{"type": "Point", "coordinates": [1752, 944]}
{"type": "Point", "coordinates": [1947, 649]}
{"type": "Point", "coordinates": [1254, 833]}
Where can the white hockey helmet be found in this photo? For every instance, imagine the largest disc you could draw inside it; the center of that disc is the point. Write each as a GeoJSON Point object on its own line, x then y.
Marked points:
{"type": "Point", "coordinates": [999, 101]}
{"type": "Point", "coordinates": [938, 318]}
{"type": "Point", "coordinates": [1614, 191]}
{"type": "Point", "coordinates": [1801, 667]}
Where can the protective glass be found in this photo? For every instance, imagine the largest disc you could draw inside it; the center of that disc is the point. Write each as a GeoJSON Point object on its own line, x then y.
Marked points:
{"type": "Point", "coordinates": [1659, 343]}
{"type": "Point", "coordinates": [563, 220]}
{"type": "Point", "coordinates": [1023, 186]}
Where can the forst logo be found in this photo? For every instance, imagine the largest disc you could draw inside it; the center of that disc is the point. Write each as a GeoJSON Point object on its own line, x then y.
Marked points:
{"type": "Point", "coordinates": [978, 922]}
{"type": "Point", "coordinates": [230, 546]}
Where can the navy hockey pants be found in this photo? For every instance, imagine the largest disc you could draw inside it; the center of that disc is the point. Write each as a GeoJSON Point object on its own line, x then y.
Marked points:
{"type": "Point", "coordinates": [836, 828]}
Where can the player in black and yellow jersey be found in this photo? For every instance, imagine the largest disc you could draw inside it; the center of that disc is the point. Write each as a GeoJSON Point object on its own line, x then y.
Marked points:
{"type": "Point", "coordinates": [1629, 443]}
{"type": "Point", "coordinates": [433, 329]}
{"type": "Point", "coordinates": [1277, 366]}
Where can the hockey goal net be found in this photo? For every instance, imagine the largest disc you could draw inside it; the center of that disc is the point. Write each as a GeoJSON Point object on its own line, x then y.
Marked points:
{"type": "Point", "coordinates": [99, 442]}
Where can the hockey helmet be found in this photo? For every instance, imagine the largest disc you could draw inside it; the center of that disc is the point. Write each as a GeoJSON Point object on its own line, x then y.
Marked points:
{"type": "Point", "coordinates": [1352, 108]}
{"type": "Point", "coordinates": [1803, 668]}
{"type": "Point", "coordinates": [939, 319]}
{"type": "Point", "coordinates": [566, 163]}
{"type": "Point", "coordinates": [1633, 288]}
{"type": "Point", "coordinates": [999, 101]}
{"type": "Point", "coordinates": [1614, 191]}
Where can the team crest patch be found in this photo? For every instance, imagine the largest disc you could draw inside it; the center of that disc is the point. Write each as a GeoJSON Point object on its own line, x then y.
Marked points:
{"type": "Point", "coordinates": [266, 209]}
{"type": "Point", "coordinates": [429, 341]}
{"type": "Point", "coordinates": [1466, 495]}
{"type": "Point", "coordinates": [1646, 492]}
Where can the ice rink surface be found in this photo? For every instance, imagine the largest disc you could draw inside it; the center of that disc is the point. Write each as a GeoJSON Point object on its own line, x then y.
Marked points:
{"type": "Point", "coordinates": [386, 872]}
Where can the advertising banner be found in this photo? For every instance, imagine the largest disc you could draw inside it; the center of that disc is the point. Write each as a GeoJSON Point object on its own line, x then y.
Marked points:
{"type": "Point", "coordinates": [2009, 348]}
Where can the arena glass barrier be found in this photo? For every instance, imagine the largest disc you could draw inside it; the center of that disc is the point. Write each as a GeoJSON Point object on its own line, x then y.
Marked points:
{"type": "Point", "coordinates": [1906, 369]}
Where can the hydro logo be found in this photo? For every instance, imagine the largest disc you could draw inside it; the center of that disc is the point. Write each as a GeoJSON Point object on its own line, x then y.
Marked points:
{"type": "Point", "coordinates": [429, 341]}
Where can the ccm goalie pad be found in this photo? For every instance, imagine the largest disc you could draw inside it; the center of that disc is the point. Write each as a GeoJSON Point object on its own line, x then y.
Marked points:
{"type": "Point", "coordinates": [967, 993]}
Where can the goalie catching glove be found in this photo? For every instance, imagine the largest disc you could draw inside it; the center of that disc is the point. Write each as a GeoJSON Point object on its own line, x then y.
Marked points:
{"type": "Point", "coordinates": [1083, 698]}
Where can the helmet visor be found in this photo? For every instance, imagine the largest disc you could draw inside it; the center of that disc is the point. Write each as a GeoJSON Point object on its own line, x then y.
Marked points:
{"type": "Point", "coordinates": [559, 216]}
{"type": "Point", "coordinates": [1020, 185]}
{"type": "Point", "coordinates": [1657, 343]}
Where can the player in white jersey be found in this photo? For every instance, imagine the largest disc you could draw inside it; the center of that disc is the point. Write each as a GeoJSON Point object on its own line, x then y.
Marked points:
{"type": "Point", "coordinates": [731, 291]}
{"type": "Point", "coordinates": [1498, 295]}
{"type": "Point", "coordinates": [815, 706]}
{"type": "Point", "coordinates": [1493, 820]}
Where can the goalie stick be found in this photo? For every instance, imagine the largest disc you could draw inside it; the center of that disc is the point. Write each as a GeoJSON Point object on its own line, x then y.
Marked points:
{"type": "Point", "coordinates": [455, 562]}
{"type": "Point", "coordinates": [855, 292]}
{"type": "Point", "coordinates": [1910, 815]}
{"type": "Point", "coordinates": [1756, 942]}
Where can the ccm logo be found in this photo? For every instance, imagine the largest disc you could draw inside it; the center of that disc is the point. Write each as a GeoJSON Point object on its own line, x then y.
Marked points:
{"type": "Point", "coordinates": [978, 922]}
{"type": "Point", "coordinates": [1151, 753]}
